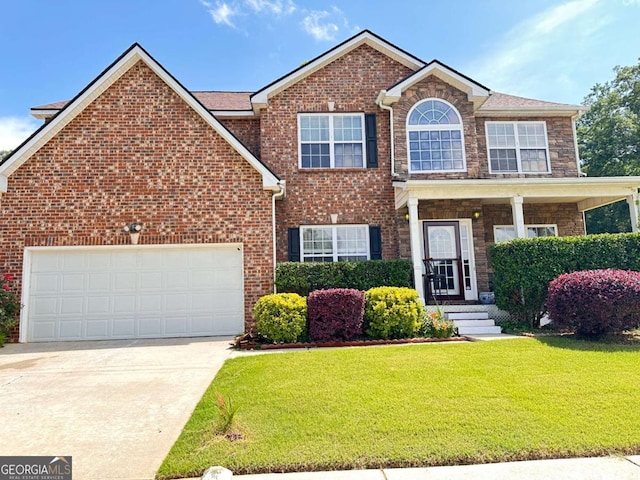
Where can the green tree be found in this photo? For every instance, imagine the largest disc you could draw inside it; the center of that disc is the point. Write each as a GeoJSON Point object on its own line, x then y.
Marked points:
{"type": "Point", "coordinates": [4, 153]}
{"type": "Point", "coordinates": [609, 141]}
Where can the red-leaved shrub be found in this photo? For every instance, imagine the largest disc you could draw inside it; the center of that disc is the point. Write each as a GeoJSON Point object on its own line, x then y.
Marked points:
{"type": "Point", "coordinates": [595, 302]}
{"type": "Point", "coordinates": [335, 314]}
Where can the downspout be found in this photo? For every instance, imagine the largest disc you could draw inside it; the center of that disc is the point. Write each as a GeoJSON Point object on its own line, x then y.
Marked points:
{"type": "Point", "coordinates": [575, 142]}
{"type": "Point", "coordinates": [276, 196]}
{"type": "Point", "coordinates": [393, 148]}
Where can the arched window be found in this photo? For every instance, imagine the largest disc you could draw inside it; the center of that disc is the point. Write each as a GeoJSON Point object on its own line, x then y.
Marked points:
{"type": "Point", "coordinates": [435, 138]}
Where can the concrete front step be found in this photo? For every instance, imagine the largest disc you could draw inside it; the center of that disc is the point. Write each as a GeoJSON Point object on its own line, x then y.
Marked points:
{"type": "Point", "coordinates": [474, 323]}
{"type": "Point", "coordinates": [468, 316]}
{"type": "Point", "coordinates": [485, 330]}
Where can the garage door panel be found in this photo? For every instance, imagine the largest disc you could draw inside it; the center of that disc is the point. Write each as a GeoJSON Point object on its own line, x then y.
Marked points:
{"type": "Point", "coordinates": [124, 292]}
{"type": "Point", "coordinates": [43, 283]}
{"type": "Point", "coordinates": [125, 281]}
{"type": "Point", "coordinates": [175, 303]}
{"type": "Point", "coordinates": [151, 281]}
{"type": "Point", "coordinates": [98, 305]}
{"type": "Point", "coordinates": [97, 329]}
{"type": "Point", "coordinates": [72, 305]}
{"type": "Point", "coordinates": [124, 327]}
{"type": "Point", "coordinates": [151, 327]}
{"type": "Point", "coordinates": [176, 326]}
{"type": "Point", "coordinates": [70, 329]}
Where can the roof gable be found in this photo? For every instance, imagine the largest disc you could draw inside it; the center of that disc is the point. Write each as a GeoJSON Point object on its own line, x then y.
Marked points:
{"type": "Point", "coordinates": [475, 91]}
{"type": "Point", "coordinates": [366, 37]}
{"type": "Point", "coordinates": [108, 77]}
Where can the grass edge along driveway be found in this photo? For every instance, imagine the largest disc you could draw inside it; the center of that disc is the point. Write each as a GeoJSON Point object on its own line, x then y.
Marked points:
{"type": "Point", "coordinates": [417, 405]}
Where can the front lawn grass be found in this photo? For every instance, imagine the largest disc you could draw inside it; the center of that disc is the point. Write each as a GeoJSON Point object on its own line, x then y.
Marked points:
{"type": "Point", "coordinates": [417, 405]}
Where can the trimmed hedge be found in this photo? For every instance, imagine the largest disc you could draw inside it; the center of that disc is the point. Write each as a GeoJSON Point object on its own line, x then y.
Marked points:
{"type": "Point", "coordinates": [335, 314]}
{"type": "Point", "coordinates": [281, 317]}
{"type": "Point", "coordinates": [523, 268]}
{"type": "Point", "coordinates": [595, 302]}
{"type": "Point", "coordinates": [392, 312]}
{"type": "Point", "coordinates": [303, 278]}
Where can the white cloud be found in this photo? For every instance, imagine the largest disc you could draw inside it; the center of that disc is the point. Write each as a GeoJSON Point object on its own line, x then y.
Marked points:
{"type": "Point", "coordinates": [221, 12]}
{"type": "Point", "coordinates": [15, 130]}
{"type": "Point", "coordinates": [277, 7]}
{"type": "Point", "coordinates": [319, 25]}
{"type": "Point", "coordinates": [529, 57]}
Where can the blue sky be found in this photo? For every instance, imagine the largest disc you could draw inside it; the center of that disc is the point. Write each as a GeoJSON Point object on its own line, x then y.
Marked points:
{"type": "Point", "coordinates": [552, 50]}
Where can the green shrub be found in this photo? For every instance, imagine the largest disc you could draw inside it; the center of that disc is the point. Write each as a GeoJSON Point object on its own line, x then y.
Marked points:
{"type": "Point", "coordinates": [392, 312]}
{"type": "Point", "coordinates": [9, 306]}
{"type": "Point", "coordinates": [281, 317]}
{"type": "Point", "coordinates": [523, 268]}
{"type": "Point", "coordinates": [303, 278]}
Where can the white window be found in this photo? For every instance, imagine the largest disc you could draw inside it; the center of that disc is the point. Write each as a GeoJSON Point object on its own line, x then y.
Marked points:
{"type": "Point", "coordinates": [517, 147]}
{"type": "Point", "coordinates": [331, 140]}
{"type": "Point", "coordinates": [435, 138]}
{"type": "Point", "coordinates": [335, 243]}
{"type": "Point", "coordinates": [502, 233]}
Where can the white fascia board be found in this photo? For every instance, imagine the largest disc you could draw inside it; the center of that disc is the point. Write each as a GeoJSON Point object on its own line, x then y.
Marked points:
{"type": "Point", "coordinates": [472, 89]}
{"type": "Point", "coordinates": [3, 184]}
{"type": "Point", "coordinates": [43, 114]}
{"type": "Point", "coordinates": [260, 99]}
{"type": "Point", "coordinates": [233, 113]}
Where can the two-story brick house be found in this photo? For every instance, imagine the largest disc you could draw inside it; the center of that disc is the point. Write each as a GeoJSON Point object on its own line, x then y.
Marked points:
{"type": "Point", "coordinates": [365, 152]}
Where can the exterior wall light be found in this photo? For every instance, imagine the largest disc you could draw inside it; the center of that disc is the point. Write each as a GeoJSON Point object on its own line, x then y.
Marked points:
{"type": "Point", "coordinates": [134, 232]}
{"type": "Point", "coordinates": [476, 215]}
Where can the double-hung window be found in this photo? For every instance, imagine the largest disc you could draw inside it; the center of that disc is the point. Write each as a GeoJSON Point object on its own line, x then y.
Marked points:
{"type": "Point", "coordinates": [435, 138]}
{"type": "Point", "coordinates": [335, 140]}
{"type": "Point", "coordinates": [503, 233]}
{"type": "Point", "coordinates": [335, 243]}
{"type": "Point", "coordinates": [518, 147]}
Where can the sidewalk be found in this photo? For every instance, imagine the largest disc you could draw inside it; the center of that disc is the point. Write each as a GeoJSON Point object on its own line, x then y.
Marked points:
{"type": "Point", "coordinates": [618, 468]}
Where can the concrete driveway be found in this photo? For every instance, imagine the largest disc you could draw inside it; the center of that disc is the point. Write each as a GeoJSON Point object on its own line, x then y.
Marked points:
{"type": "Point", "coordinates": [116, 407]}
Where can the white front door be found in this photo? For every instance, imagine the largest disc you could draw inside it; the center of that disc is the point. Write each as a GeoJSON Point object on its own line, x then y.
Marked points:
{"type": "Point", "coordinates": [442, 249]}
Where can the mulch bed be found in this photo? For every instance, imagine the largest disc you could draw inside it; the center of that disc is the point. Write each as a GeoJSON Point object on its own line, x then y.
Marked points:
{"type": "Point", "coordinates": [248, 343]}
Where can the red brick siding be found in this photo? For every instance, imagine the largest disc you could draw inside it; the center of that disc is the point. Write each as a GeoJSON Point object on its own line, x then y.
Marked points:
{"type": "Point", "coordinates": [247, 130]}
{"type": "Point", "coordinates": [561, 147]}
{"type": "Point", "coordinates": [139, 153]}
{"type": "Point", "coordinates": [361, 196]}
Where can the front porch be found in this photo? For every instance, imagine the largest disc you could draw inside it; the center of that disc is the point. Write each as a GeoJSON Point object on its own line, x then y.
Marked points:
{"type": "Point", "coordinates": [453, 221]}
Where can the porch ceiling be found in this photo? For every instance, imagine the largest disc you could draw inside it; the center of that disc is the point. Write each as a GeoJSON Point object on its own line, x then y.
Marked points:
{"type": "Point", "coordinates": [586, 192]}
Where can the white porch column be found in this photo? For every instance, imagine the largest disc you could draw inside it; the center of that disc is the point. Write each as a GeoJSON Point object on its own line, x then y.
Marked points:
{"type": "Point", "coordinates": [518, 216]}
{"type": "Point", "coordinates": [416, 248]}
{"type": "Point", "coordinates": [632, 200]}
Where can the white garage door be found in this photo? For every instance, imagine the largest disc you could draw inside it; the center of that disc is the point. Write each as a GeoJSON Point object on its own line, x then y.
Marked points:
{"type": "Point", "coordinates": [99, 293]}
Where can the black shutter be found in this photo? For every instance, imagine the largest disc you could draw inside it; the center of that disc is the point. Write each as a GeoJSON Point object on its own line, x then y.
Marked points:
{"type": "Point", "coordinates": [375, 243]}
{"type": "Point", "coordinates": [371, 137]}
{"type": "Point", "coordinates": [293, 242]}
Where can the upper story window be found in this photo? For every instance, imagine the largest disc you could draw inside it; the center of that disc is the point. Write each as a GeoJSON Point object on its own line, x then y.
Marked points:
{"type": "Point", "coordinates": [335, 243]}
{"type": "Point", "coordinates": [435, 138]}
{"type": "Point", "coordinates": [518, 147]}
{"type": "Point", "coordinates": [333, 140]}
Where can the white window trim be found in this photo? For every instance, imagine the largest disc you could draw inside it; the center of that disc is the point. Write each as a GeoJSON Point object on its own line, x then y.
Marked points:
{"type": "Point", "coordinates": [331, 142]}
{"type": "Point", "coordinates": [528, 225]}
{"type": "Point", "coordinates": [517, 147]}
{"type": "Point", "coordinates": [421, 128]}
{"type": "Point", "coordinates": [334, 239]}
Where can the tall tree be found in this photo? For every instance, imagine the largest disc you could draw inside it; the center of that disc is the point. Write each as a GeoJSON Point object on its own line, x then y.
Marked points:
{"type": "Point", "coordinates": [609, 141]}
